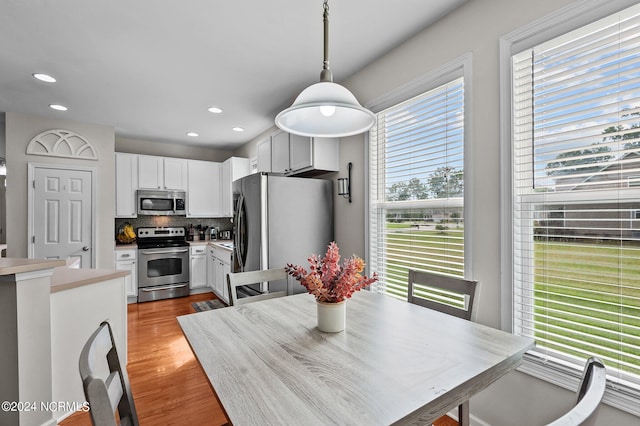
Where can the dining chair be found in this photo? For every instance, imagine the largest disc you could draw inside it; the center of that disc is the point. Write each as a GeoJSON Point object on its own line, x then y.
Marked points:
{"type": "Point", "coordinates": [450, 295]}
{"type": "Point", "coordinates": [589, 395]}
{"type": "Point", "coordinates": [108, 395]}
{"type": "Point", "coordinates": [238, 279]}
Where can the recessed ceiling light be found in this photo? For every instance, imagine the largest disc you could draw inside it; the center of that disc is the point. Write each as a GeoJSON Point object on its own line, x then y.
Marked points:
{"type": "Point", "coordinates": [193, 134]}
{"type": "Point", "coordinates": [44, 77]}
{"type": "Point", "coordinates": [215, 110]}
{"type": "Point", "coordinates": [58, 107]}
{"type": "Point", "coordinates": [238, 129]}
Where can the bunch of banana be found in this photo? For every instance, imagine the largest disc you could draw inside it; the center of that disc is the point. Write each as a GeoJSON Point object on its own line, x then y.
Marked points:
{"type": "Point", "coordinates": [127, 235]}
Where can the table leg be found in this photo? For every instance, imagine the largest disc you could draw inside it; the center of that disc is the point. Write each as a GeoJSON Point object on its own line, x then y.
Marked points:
{"type": "Point", "coordinates": [463, 414]}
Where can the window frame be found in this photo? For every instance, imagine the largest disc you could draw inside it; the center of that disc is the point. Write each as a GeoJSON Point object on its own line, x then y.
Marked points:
{"type": "Point", "coordinates": [562, 21]}
{"type": "Point", "coordinates": [458, 67]}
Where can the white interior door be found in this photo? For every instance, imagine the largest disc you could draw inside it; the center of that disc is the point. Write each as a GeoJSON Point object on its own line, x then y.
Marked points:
{"type": "Point", "coordinates": [62, 208]}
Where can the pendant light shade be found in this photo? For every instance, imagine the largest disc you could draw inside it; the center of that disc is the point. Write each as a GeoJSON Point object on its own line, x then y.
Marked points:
{"type": "Point", "coordinates": [325, 109]}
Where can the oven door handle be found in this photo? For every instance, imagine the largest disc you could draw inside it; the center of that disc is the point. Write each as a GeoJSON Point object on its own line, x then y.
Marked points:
{"type": "Point", "coordinates": [166, 287]}
{"type": "Point", "coordinates": [163, 251]}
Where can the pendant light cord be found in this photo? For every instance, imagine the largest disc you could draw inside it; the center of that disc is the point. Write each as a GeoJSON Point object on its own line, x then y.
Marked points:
{"type": "Point", "coordinates": [326, 75]}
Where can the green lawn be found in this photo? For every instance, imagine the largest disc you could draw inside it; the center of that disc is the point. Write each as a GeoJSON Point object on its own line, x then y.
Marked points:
{"type": "Point", "coordinates": [600, 282]}
{"type": "Point", "coordinates": [437, 251]}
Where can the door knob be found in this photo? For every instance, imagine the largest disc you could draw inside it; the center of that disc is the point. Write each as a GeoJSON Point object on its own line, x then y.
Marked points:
{"type": "Point", "coordinates": [85, 248]}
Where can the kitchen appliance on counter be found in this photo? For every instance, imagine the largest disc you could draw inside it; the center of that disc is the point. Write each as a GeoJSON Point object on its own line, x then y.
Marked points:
{"type": "Point", "coordinates": [197, 233]}
{"type": "Point", "coordinates": [279, 220]}
{"type": "Point", "coordinates": [163, 269]}
{"type": "Point", "coordinates": [165, 203]}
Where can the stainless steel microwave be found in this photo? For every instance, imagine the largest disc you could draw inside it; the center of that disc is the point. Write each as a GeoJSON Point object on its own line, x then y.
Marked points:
{"type": "Point", "coordinates": [161, 202]}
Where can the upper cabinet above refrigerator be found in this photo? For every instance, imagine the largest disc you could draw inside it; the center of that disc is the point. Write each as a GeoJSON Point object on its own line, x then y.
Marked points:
{"type": "Point", "coordinates": [294, 155]}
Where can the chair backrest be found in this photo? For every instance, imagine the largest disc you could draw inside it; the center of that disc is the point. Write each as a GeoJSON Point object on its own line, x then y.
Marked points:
{"type": "Point", "coordinates": [237, 279]}
{"type": "Point", "coordinates": [590, 393]}
{"type": "Point", "coordinates": [110, 391]}
{"type": "Point", "coordinates": [440, 292]}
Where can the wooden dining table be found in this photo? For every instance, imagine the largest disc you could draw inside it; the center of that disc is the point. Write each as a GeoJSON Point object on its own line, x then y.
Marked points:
{"type": "Point", "coordinates": [395, 363]}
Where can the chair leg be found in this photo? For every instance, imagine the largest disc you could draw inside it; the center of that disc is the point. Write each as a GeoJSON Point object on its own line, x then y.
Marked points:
{"type": "Point", "coordinates": [463, 414]}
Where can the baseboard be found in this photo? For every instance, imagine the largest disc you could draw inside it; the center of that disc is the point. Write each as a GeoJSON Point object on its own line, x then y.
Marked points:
{"type": "Point", "coordinates": [200, 290]}
{"type": "Point", "coordinates": [54, 421]}
{"type": "Point", "coordinates": [473, 420]}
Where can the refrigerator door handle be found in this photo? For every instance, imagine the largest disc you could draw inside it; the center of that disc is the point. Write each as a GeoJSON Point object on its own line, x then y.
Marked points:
{"type": "Point", "coordinates": [239, 235]}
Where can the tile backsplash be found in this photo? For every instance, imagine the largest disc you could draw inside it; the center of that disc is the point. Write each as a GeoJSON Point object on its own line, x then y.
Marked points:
{"type": "Point", "coordinates": [223, 224]}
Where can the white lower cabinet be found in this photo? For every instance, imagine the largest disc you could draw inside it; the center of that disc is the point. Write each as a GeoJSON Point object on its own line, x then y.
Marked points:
{"type": "Point", "coordinates": [211, 259]}
{"type": "Point", "coordinates": [125, 260]}
{"type": "Point", "coordinates": [219, 265]}
{"type": "Point", "coordinates": [198, 271]}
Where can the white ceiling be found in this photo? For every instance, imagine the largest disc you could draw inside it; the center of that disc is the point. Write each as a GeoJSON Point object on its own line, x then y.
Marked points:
{"type": "Point", "coordinates": [151, 68]}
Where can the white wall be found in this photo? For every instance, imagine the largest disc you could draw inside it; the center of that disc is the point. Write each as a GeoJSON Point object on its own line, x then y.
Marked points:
{"type": "Point", "coordinates": [20, 129]}
{"type": "Point", "coordinates": [3, 142]}
{"type": "Point", "coordinates": [138, 146]}
{"type": "Point", "coordinates": [350, 217]}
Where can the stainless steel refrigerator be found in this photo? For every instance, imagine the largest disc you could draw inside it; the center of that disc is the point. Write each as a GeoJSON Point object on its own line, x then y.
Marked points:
{"type": "Point", "coordinates": [279, 220]}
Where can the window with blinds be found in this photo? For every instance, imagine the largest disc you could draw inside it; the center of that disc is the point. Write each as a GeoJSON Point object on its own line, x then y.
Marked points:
{"type": "Point", "coordinates": [576, 186]}
{"type": "Point", "coordinates": [416, 188]}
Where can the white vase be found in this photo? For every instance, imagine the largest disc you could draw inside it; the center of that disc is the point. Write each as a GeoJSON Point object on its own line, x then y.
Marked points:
{"type": "Point", "coordinates": [332, 317]}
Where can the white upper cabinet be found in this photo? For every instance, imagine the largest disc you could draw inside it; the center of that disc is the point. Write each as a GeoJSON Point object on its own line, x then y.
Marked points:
{"type": "Point", "coordinates": [126, 184]}
{"type": "Point", "coordinates": [203, 195]}
{"type": "Point", "coordinates": [300, 155]}
{"type": "Point", "coordinates": [264, 156]}
{"type": "Point", "coordinates": [232, 169]}
{"type": "Point", "coordinates": [280, 152]}
{"type": "Point", "coordinates": [162, 173]}
{"type": "Point", "coordinates": [208, 184]}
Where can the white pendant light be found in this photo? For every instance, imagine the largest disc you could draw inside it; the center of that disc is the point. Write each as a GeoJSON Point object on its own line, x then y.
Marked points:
{"type": "Point", "coordinates": [325, 109]}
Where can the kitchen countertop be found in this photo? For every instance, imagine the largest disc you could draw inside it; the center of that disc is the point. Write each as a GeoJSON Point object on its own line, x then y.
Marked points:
{"type": "Point", "coordinates": [132, 246]}
{"type": "Point", "coordinates": [14, 265]}
{"type": "Point", "coordinates": [63, 278]}
{"type": "Point", "coordinates": [218, 243]}
{"type": "Point", "coordinates": [67, 278]}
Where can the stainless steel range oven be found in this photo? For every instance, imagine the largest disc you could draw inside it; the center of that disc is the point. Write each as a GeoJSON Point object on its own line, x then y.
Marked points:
{"type": "Point", "coordinates": [163, 263]}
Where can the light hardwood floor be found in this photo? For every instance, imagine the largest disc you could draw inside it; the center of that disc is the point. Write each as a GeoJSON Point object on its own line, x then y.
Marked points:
{"type": "Point", "coordinates": [167, 383]}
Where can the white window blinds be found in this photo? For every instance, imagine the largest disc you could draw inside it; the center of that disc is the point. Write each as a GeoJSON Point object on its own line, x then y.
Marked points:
{"type": "Point", "coordinates": [576, 228]}
{"type": "Point", "coordinates": [416, 188]}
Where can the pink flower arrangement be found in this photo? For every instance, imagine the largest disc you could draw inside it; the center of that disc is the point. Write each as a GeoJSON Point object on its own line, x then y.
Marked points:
{"type": "Point", "coordinates": [329, 281]}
